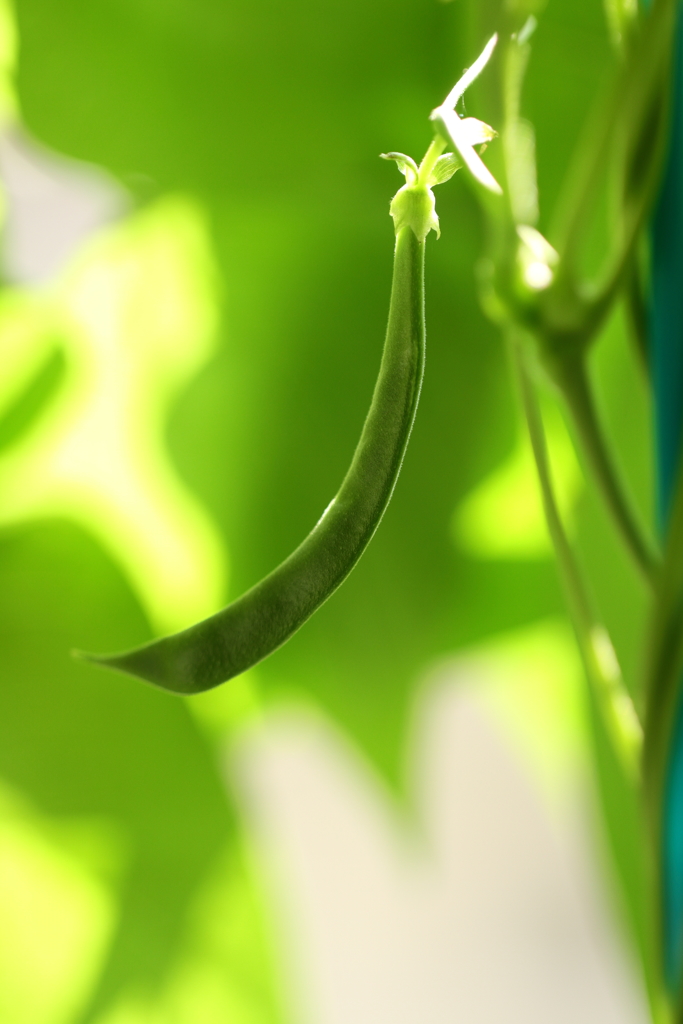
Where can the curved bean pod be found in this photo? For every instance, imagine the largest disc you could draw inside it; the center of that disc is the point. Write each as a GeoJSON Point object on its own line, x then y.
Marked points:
{"type": "Point", "coordinates": [267, 615]}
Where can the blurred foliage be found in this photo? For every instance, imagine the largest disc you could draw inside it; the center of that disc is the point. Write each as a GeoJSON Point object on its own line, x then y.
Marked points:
{"type": "Point", "coordinates": [230, 329]}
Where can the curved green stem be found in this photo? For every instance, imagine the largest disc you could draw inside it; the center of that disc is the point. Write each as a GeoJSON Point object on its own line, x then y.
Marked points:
{"type": "Point", "coordinates": [636, 313]}
{"type": "Point", "coordinates": [663, 671]}
{"type": "Point", "coordinates": [602, 669]}
{"type": "Point", "coordinates": [434, 151]}
{"type": "Point", "coordinates": [664, 656]}
{"type": "Point", "coordinates": [622, 123]}
{"type": "Point", "coordinates": [569, 372]}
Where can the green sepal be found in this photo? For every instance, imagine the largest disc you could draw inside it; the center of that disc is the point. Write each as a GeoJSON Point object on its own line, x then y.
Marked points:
{"type": "Point", "coordinates": [406, 166]}
{"type": "Point", "coordinates": [413, 206]}
{"type": "Point", "coordinates": [444, 168]}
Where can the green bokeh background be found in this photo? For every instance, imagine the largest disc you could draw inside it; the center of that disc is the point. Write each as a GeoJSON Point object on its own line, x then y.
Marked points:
{"type": "Point", "coordinates": [268, 116]}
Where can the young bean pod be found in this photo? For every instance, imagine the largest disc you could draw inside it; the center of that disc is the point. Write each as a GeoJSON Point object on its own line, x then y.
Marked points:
{"type": "Point", "coordinates": [267, 615]}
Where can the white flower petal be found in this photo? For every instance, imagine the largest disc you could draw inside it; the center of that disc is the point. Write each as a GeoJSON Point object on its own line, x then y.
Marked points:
{"type": "Point", "coordinates": [540, 247]}
{"type": "Point", "coordinates": [477, 131]}
{"type": "Point", "coordinates": [538, 276]}
{"type": "Point", "coordinates": [451, 125]}
{"type": "Point", "coordinates": [471, 73]}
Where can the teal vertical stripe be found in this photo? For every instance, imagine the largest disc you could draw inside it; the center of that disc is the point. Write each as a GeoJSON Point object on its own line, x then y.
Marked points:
{"type": "Point", "coordinates": [666, 326]}
{"type": "Point", "coordinates": [667, 302]}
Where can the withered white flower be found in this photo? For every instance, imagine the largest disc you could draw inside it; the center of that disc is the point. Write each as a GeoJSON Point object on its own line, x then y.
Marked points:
{"type": "Point", "coordinates": [536, 257]}
{"type": "Point", "coordinates": [466, 133]}
{"type": "Point", "coordinates": [413, 205]}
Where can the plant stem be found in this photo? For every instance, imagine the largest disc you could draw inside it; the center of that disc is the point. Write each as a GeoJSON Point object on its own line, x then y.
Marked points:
{"type": "Point", "coordinates": [602, 669]}
{"type": "Point", "coordinates": [664, 666]}
{"type": "Point", "coordinates": [636, 313]}
{"type": "Point", "coordinates": [617, 122]}
{"type": "Point", "coordinates": [569, 372]}
{"type": "Point", "coordinates": [665, 656]}
{"type": "Point", "coordinates": [436, 148]}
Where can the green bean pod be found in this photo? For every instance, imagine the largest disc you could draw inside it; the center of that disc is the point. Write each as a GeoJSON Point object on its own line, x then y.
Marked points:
{"type": "Point", "coordinates": [266, 616]}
